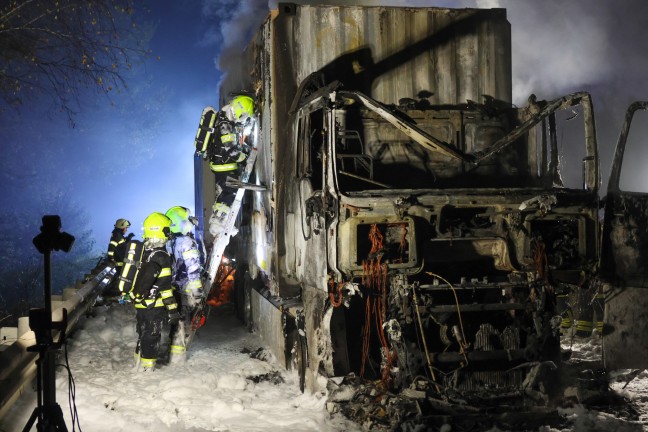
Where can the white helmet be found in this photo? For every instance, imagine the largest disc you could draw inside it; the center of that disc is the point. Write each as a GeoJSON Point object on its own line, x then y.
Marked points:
{"type": "Point", "coordinates": [122, 223]}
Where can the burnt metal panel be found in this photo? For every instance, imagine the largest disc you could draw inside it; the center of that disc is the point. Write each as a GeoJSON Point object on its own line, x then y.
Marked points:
{"type": "Point", "coordinates": [625, 243]}
{"type": "Point", "coordinates": [624, 251]}
{"type": "Point", "coordinates": [625, 328]}
{"type": "Point", "coordinates": [391, 52]}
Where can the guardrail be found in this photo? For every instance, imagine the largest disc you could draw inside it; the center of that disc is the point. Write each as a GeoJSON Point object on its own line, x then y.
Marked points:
{"type": "Point", "coordinates": [17, 365]}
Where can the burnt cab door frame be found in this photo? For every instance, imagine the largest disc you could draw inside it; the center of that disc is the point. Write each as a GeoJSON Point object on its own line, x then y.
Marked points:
{"type": "Point", "coordinates": [624, 248]}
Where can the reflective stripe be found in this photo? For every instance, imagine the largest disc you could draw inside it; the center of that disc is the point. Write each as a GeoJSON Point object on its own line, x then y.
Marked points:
{"type": "Point", "coordinates": [166, 294]}
{"type": "Point", "coordinates": [194, 284]}
{"type": "Point", "coordinates": [111, 253]}
{"type": "Point", "coordinates": [584, 325]}
{"type": "Point", "coordinates": [114, 243]}
{"type": "Point", "coordinates": [166, 271]}
{"type": "Point", "coordinates": [224, 167]}
{"type": "Point", "coordinates": [228, 138]}
{"type": "Point", "coordinates": [191, 253]}
{"type": "Point", "coordinates": [221, 207]}
{"type": "Point", "coordinates": [178, 349]}
{"type": "Point", "coordinates": [147, 363]}
{"type": "Point", "coordinates": [144, 304]}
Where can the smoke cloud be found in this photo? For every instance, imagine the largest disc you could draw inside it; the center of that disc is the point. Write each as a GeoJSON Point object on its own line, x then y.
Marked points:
{"type": "Point", "coordinates": [231, 25]}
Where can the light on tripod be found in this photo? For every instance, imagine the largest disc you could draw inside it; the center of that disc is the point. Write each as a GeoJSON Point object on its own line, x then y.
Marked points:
{"type": "Point", "coordinates": [48, 412]}
{"type": "Point", "coordinates": [51, 238]}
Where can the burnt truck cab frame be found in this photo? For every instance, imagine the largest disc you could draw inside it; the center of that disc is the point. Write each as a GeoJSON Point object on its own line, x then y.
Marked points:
{"type": "Point", "coordinates": [448, 232]}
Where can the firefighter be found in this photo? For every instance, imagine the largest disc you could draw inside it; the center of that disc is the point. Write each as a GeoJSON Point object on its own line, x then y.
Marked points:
{"type": "Point", "coordinates": [152, 292]}
{"type": "Point", "coordinates": [117, 251]}
{"type": "Point", "coordinates": [590, 304]}
{"type": "Point", "coordinates": [564, 309]}
{"type": "Point", "coordinates": [228, 153]}
{"type": "Point", "coordinates": [118, 239]}
{"type": "Point", "coordinates": [186, 272]}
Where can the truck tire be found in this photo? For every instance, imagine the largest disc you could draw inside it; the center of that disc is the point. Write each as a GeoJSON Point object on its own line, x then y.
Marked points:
{"type": "Point", "coordinates": [300, 359]}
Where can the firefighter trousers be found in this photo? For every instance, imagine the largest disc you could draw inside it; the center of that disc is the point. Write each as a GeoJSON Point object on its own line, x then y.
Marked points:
{"type": "Point", "coordinates": [149, 331]}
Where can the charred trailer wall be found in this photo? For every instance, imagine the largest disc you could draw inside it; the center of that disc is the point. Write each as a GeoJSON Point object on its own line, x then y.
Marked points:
{"type": "Point", "coordinates": [444, 56]}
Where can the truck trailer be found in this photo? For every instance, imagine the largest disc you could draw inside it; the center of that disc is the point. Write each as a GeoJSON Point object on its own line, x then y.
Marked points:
{"type": "Point", "coordinates": [409, 224]}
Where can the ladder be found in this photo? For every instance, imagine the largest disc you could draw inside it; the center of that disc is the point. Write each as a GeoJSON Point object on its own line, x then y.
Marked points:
{"type": "Point", "coordinates": [221, 240]}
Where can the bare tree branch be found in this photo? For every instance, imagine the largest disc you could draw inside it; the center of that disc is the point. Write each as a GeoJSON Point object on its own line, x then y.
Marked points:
{"type": "Point", "coordinates": [63, 48]}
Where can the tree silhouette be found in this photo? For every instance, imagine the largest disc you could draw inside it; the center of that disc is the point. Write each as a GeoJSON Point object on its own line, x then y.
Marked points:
{"type": "Point", "coordinates": [62, 48]}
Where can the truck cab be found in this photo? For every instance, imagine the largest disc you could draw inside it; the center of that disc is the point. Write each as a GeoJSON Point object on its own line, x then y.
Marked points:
{"type": "Point", "coordinates": [444, 232]}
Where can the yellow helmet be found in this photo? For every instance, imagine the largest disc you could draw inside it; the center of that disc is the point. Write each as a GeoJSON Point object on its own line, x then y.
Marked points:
{"type": "Point", "coordinates": [242, 107]}
{"type": "Point", "coordinates": [122, 223]}
{"type": "Point", "coordinates": [181, 220]}
{"type": "Point", "coordinates": [156, 225]}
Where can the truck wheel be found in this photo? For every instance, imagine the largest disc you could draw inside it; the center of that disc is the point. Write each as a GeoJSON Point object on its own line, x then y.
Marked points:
{"type": "Point", "coordinates": [242, 287]}
{"type": "Point", "coordinates": [299, 358]}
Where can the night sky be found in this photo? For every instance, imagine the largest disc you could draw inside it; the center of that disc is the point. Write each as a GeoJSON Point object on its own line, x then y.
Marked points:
{"type": "Point", "coordinates": [133, 154]}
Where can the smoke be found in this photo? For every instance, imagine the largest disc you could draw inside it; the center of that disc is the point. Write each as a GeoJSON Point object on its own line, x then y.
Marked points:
{"type": "Point", "coordinates": [561, 47]}
{"type": "Point", "coordinates": [231, 25]}
{"type": "Point", "coordinates": [558, 47]}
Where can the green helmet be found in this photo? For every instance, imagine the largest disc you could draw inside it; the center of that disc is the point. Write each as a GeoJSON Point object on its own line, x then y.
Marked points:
{"type": "Point", "coordinates": [242, 107]}
{"type": "Point", "coordinates": [181, 220]}
{"type": "Point", "coordinates": [122, 223]}
{"type": "Point", "coordinates": [156, 225]}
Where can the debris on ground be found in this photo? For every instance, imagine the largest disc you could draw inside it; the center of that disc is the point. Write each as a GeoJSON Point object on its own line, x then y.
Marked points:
{"type": "Point", "coordinates": [581, 379]}
{"type": "Point", "coordinates": [273, 377]}
{"type": "Point", "coordinates": [262, 354]}
{"type": "Point", "coordinates": [418, 408]}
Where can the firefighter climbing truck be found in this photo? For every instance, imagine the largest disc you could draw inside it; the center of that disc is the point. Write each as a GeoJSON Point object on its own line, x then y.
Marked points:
{"type": "Point", "coordinates": [409, 223]}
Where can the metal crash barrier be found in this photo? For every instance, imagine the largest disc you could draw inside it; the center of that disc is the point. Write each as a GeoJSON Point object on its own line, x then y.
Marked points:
{"type": "Point", "coordinates": [17, 363]}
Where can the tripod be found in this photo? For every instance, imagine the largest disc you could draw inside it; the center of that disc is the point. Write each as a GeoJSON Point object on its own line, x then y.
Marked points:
{"type": "Point", "coordinates": [48, 412]}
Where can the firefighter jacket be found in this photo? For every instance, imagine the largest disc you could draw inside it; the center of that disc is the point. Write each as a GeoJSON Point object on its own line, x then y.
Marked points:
{"type": "Point", "coordinates": [225, 151]}
{"type": "Point", "coordinates": [153, 285]}
{"type": "Point", "coordinates": [117, 247]}
{"type": "Point", "coordinates": [187, 265]}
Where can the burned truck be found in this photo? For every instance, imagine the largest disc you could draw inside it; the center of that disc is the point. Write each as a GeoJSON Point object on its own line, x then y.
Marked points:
{"type": "Point", "coordinates": [409, 224]}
